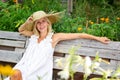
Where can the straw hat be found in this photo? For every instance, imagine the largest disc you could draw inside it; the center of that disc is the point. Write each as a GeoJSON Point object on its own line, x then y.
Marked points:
{"type": "Point", "coordinates": [52, 17]}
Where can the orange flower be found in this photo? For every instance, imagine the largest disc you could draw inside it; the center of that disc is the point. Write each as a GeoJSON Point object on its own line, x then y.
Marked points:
{"type": "Point", "coordinates": [106, 20]}
{"type": "Point", "coordinates": [118, 18]}
{"type": "Point", "coordinates": [79, 28]}
{"type": "Point", "coordinates": [14, 0]}
{"type": "Point", "coordinates": [6, 70]}
{"type": "Point", "coordinates": [102, 19]}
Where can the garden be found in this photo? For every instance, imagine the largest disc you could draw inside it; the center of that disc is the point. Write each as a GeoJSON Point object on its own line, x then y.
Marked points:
{"type": "Point", "coordinates": [96, 17]}
{"type": "Point", "coordinates": [100, 18]}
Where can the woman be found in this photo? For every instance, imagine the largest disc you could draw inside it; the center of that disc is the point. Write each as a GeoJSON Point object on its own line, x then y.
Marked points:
{"type": "Point", "coordinates": [38, 57]}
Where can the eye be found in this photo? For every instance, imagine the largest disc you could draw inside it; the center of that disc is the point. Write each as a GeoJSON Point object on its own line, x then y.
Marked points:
{"type": "Point", "coordinates": [38, 22]}
{"type": "Point", "coordinates": [43, 21]}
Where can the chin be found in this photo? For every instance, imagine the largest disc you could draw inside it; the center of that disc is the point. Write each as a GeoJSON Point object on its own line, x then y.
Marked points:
{"type": "Point", "coordinates": [42, 30]}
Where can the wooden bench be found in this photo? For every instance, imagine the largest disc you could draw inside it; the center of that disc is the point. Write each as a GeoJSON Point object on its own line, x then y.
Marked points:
{"type": "Point", "coordinates": [13, 45]}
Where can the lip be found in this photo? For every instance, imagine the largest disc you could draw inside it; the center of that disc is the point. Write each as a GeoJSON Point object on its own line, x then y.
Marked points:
{"type": "Point", "coordinates": [41, 28]}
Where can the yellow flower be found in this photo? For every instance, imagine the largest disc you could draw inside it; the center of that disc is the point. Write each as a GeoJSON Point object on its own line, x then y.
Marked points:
{"type": "Point", "coordinates": [91, 22]}
{"type": "Point", "coordinates": [79, 28]}
{"type": "Point", "coordinates": [102, 19]}
{"type": "Point", "coordinates": [6, 70]}
{"type": "Point", "coordinates": [106, 20]}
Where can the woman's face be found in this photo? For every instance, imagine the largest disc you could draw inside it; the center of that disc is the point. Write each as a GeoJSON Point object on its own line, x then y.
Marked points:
{"type": "Point", "coordinates": [42, 25]}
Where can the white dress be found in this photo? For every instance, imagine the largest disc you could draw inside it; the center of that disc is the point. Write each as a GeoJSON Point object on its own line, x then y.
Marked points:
{"type": "Point", "coordinates": [37, 60]}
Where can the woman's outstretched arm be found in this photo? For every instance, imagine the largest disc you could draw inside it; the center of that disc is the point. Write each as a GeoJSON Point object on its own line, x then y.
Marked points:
{"type": "Point", "coordinates": [68, 36]}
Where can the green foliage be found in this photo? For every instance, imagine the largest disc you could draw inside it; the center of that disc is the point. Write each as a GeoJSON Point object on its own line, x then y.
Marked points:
{"type": "Point", "coordinates": [104, 29]}
{"type": "Point", "coordinates": [13, 15]}
{"type": "Point", "coordinates": [69, 24]}
{"type": "Point", "coordinates": [92, 10]}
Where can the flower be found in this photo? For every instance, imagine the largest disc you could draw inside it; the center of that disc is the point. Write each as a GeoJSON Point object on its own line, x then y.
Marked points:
{"type": "Point", "coordinates": [103, 72]}
{"type": "Point", "coordinates": [102, 19]}
{"type": "Point", "coordinates": [59, 62]}
{"type": "Point", "coordinates": [78, 60]}
{"type": "Point", "coordinates": [118, 18]}
{"type": "Point", "coordinates": [106, 20]}
{"type": "Point", "coordinates": [79, 28]}
{"type": "Point", "coordinates": [15, 0]}
{"type": "Point", "coordinates": [95, 65]}
{"type": "Point", "coordinates": [64, 74]}
{"type": "Point", "coordinates": [87, 66]}
{"type": "Point", "coordinates": [91, 22]}
{"type": "Point", "coordinates": [6, 70]}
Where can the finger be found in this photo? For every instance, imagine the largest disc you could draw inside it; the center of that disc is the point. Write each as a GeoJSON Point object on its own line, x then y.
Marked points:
{"type": "Point", "coordinates": [106, 42]}
{"type": "Point", "coordinates": [107, 38]}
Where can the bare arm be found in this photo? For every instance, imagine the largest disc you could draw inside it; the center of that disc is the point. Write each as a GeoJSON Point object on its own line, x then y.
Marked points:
{"type": "Point", "coordinates": [23, 28]}
{"type": "Point", "coordinates": [68, 36]}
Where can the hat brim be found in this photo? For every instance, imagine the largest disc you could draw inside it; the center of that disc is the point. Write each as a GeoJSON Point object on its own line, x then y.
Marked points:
{"type": "Point", "coordinates": [52, 18]}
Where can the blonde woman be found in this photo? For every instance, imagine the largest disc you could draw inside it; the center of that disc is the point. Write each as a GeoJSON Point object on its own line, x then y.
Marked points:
{"type": "Point", "coordinates": [37, 60]}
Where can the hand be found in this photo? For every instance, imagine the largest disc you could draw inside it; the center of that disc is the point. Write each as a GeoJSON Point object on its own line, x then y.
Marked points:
{"type": "Point", "coordinates": [29, 20]}
{"type": "Point", "coordinates": [104, 40]}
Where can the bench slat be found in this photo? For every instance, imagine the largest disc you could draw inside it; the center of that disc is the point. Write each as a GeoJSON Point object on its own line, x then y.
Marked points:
{"type": "Point", "coordinates": [12, 43]}
{"type": "Point", "coordinates": [11, 35]}
{"type": "Point", "coordinates": [93, 44]}
{"type": "Point", "coordinates": [10, 56]}
{"type": "Point", "coordinates": [84, 51]}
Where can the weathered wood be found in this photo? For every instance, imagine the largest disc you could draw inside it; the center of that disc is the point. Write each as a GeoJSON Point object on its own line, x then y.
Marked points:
{"type": "Point", "coordinates": [10, 56]}
{"type": "Point", "coordinates": [92, 44]}
{"type": "Point", "coordinates": [16, 44]}
{"type": "Point", "coordinates": [70, 6]}
{"type": "Point", "coordinates": [11, 35]}
{"type": "Point", "coordinates": [12, 43]}
{"type": "Point", "coordinates": [20, 50]}
{"type": "Point", "coordinates": [86, 51]}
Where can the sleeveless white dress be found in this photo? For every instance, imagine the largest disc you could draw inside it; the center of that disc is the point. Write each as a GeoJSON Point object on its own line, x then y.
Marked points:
{"type": "Point", "coordinates": [37, 60]}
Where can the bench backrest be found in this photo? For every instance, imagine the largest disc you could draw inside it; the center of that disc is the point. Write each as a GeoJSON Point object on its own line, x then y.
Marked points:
{"type": "Point", "coordinates": [12, 46]}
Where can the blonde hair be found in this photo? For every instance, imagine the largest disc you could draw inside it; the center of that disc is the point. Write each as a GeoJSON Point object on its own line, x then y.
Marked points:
{"type": "Point", "coordinates": [35, 30]}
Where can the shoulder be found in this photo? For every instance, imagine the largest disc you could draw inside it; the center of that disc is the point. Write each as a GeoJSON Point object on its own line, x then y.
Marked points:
{"type": "Point", "coordinates": [57, 35]}
{"type": "Point", "coordinates": [63, 36]}
{"type": "Point", "coordinates": [60, 36]}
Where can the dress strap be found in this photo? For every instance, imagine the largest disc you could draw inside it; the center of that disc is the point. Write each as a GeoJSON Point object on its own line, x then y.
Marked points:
{"type": "Point", "coordinates": [49, 36]}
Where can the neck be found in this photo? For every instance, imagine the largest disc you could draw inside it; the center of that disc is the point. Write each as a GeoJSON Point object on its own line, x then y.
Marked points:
{"type": "Point", "coordinates": [43, 35]}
